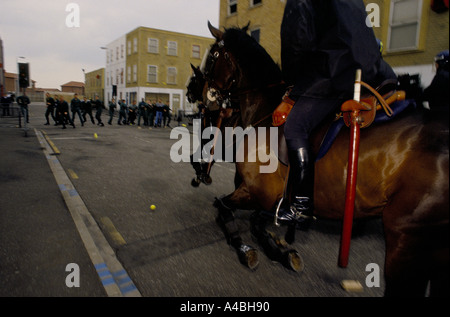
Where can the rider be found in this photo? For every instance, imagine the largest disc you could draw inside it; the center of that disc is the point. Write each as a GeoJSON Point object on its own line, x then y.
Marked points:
{"type": "Point", "coordinates": [323, 43]}
{"type": "Point", "coordinates": [437, 93]}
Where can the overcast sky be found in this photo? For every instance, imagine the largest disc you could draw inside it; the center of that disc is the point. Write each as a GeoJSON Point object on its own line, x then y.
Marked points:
{"type": "Point", "coordinates": [37, 30]}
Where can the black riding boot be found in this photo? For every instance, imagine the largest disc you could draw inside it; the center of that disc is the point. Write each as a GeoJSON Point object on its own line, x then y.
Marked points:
{"type": "Point", "coordinates": [299, 206]}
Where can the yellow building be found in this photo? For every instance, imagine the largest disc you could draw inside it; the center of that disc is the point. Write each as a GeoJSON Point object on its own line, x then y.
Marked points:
{"type": "Point", "coordinates": [411, 31]}
{"type": "Point", "coordinates": [94, 83]}
{"type": "Point", "coordinates": [158, 65]}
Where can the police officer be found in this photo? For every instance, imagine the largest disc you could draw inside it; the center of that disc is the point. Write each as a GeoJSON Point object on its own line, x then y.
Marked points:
{"type": "Point", "coordinates": [87, 109]}
{"type": "Point", "coordinates": [437, 94]}
{"type": "Point", "coordinates": [142, 112]}
{"type": "Point", "coordinates": [98, 104]}
{"type": "Point", "coordinates": [75, 107]}
{"type": "Point", "coordinates": [64, 111]}
{"type": "Point", "coordinates": [50, 108]}
{"type": "Point", "coordinates": [112, 109]}
{"type": "Point", "coordinates": [323, 43]}
{"type": "Point", "coordinates": [123, 108]}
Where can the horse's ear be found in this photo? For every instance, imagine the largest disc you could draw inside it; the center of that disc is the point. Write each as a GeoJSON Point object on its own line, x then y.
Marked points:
{"type": "Point", "coordinates": [193, 67]}
{"type": "Point", "coordinates": [197, 70]}
{"type": "Point", "coordinates": [245, 28]}
{"type": "Point", "coordinates": [215, 32]}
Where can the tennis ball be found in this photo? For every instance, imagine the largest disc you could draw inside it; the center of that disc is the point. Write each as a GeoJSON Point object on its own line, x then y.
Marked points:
{"type": "Point", "coordinates": [95, 135]}
{"type": "Point", "coordinates": [152, 207]}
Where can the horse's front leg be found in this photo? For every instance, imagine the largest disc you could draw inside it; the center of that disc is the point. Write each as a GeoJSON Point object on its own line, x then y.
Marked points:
{"type": "Point", "coordinates": [246, 253]}
{"type": "Point", "coordinates": [274, 247]}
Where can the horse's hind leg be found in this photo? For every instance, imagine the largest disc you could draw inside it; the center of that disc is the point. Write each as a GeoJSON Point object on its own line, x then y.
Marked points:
{"type": "Point", "coordinates": [275, 248]}
{"type": "Point", "coordinates": [247, 254]}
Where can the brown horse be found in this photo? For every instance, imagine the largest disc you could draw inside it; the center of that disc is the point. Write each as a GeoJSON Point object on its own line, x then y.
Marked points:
{"type": "Point", "coordinates": [403, 173]}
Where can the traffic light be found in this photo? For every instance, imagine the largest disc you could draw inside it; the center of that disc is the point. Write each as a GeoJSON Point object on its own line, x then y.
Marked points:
{"type": "Point", "coordinates": [24, 76]}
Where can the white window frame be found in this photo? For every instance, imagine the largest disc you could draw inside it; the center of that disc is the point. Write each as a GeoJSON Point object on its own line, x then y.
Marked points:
{"type": "Point", "coordinates": [153, 48]}
{"type": "Point", "coordinates": [195, 52]}
{"type": "Point", "coordinates": [128, 74]}
{"type": "Point", "coordinates": [129, 47]}
{"type": "Point", "coordinates": [253, 4]}
{"type": "Point", "coordinates": [135, 45]}
{"type": "Point", "coordinates": [230, 4]}
{"type": "Point", "coordinates": [155, 73]}
{"type": "Point", "coordinates": [172, 72]}
{"type": "Point", "coordinates": [417, 21]}
{"type": "Point", "coordinates": [134, 73]}
{"type": "Point", "coordinates": [172, 48]}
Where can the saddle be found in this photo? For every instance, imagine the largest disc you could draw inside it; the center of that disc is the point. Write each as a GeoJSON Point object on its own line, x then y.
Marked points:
{"type": "Point", "coordinates": [377, 106]}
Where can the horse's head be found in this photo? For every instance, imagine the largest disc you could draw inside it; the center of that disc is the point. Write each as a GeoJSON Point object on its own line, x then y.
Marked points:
{"type": "Point", "coordinates": [221, 68]}
{"type": "Point", "coordinates": [196, 85]}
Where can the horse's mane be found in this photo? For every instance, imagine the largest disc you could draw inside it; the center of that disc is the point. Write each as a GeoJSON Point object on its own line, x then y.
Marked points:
{"type": "Point", "coordinates": [260, 67]}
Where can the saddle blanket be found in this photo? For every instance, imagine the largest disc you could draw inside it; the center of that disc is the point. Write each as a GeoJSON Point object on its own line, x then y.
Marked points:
{"type": "Point", "coordinates": [381, 116]}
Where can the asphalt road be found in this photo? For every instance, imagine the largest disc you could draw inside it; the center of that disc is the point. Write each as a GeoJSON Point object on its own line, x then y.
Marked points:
{"type": "Point", "coordinates": [176, 250]}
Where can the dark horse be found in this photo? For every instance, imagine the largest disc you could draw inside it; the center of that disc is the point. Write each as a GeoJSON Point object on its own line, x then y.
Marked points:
{"type": "Point", "coordinates": [403, 173]}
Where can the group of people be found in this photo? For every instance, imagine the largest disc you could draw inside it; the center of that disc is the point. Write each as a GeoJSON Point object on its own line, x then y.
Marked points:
{"type": "Point", "coordinates": [63, 114]}
{"type": "Point", "coordinates": [155, 114]}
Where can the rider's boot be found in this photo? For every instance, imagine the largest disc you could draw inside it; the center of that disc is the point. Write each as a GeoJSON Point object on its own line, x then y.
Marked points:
{"type": "Point", "coordinates": [299, 206]}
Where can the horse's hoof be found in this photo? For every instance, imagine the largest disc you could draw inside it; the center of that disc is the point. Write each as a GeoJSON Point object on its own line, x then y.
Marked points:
{"type": "Point", "coordinates": [294, 261]}
{"type": "Point", "coordinates": [195, 182]}
{"type": "Point", "coordinates": [207, 180]}
{"type": "Point", "coordinates": [248, 256]}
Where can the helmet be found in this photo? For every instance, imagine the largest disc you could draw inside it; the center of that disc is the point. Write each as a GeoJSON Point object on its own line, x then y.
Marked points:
{"type": "Point", "coordinates": [380, 45]}
{"type": "Point", "coordinates": [442, 59]}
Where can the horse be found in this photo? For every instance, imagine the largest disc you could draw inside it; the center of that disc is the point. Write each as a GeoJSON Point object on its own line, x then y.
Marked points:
{"type": "Point", "coordinates": [403, 174]}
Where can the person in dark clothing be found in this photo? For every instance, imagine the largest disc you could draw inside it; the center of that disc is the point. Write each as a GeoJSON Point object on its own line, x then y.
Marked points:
{"type": "Point", "coordinates": [86, 107]}
{"type": "Point", "coordinates": [437, 94]}
{"type": "Point", "coordinates": [112, 108]}
{"type": "Point", "coordinates": [23, 101]}
{"type": "Point", "coordinates": [99, 106]}
{"type": "Point", "coordinates": [323, 43]}
{"type": "Point", "coordinates": [64, 110]}
{"type": "Point", "coordinates": [50, 108]}
{"type": "Point", "coordinates": [75, 107]}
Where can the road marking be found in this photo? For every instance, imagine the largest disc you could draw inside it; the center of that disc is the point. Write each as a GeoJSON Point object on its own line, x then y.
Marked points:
{"type": "Point", "coordinates": [72, 174]}
{"type": "Point", "coordinates": [52, 145]}
{"type": "Point", "coordinates": [112, 275]}
{"type": "Point", "coordinates": [112, 231]}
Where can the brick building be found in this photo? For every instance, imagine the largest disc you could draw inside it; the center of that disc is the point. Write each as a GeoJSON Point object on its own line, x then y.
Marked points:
{"type": "Point", "coordinates": [151, 64]}
{"type": "Point", "coordinates": [75, 87]}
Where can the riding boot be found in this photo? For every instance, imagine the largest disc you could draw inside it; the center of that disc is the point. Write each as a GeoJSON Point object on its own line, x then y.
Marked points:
{"type": "Point", "coordinates": [300, 187]}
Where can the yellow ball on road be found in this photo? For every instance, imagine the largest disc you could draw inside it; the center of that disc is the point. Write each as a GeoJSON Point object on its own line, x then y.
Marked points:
{"type": "Point", "coordinates": [95, 135]}
{"type": "Point", "coordinates": [152, 207]}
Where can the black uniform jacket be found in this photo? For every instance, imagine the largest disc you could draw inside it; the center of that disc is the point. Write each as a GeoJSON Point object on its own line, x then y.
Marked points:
{"type": "Point", "coordinates": [323, 42]}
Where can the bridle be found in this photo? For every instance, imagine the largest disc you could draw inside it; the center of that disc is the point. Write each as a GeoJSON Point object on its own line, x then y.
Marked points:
{"type": "Point", "coordinates": [226, 96]}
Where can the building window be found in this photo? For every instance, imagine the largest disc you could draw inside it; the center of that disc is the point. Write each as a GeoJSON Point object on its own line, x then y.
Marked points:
{"type": "Point", "coordinates": [135, 45]}
{"type": "Point", "coordinates": [121, 51]}
{"type": "Point", "coordinates": [121, 75]}
{"type": "Point", "coordinates": [404, 24]}
{"type": "Point", "coordinates": [134, 73]}
{"type": "Point", "coordinates": [232, 7]}
{"type": "Point", "coordinates": [172, 48]}
{"type": "Point", "coordinates": [129, 47]}
{"type": "Point", "coordinates": [129, 74]}
{"type": "Point", "coordinates": [195, 51]}
{"type": "Point", "coordinates": [171, 75]}
{"type": "Point", "coordinates": [153, 46]}
{"type": "Point", "coordinates": [256, 34]}
{"type": "Point", "coordinates": [111, 55]}
{"type": "Point", "coordinates": [255, 2]}
{"type": "Point", "coordinates": [152, 74]}
{"type": "Point", "coordinates": [117, 53]}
